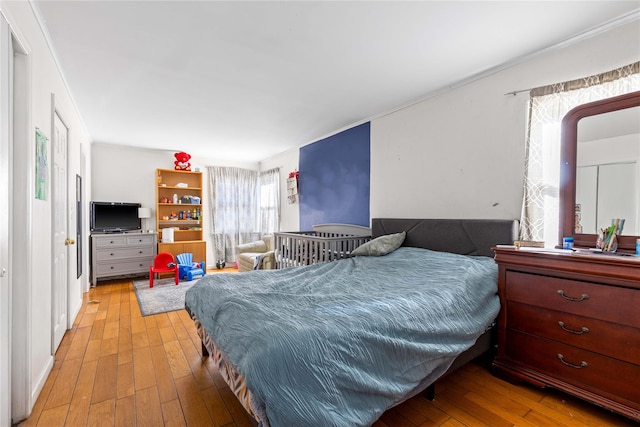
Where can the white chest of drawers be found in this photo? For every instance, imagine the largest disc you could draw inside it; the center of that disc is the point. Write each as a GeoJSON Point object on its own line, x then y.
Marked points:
{"type": "Point", "coordinates": [121, 254]}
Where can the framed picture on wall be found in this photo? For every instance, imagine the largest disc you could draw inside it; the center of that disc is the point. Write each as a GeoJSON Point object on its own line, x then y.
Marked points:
{"type": "Point", "coordinates": [42, 166]}
{"type": "Point", "coordinates": [79, 214]}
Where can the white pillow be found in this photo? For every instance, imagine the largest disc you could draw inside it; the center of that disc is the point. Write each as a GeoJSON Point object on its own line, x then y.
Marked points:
{"type": "Point", "coordinates": [382, 245]}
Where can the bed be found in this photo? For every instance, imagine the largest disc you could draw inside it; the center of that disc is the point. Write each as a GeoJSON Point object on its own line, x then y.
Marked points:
{"type": "Point", "coordinates": [339, 343]}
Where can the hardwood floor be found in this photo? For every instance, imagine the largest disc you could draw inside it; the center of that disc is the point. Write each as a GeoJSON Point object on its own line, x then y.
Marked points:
{"type": "Point", "coordinates": [117, 368]}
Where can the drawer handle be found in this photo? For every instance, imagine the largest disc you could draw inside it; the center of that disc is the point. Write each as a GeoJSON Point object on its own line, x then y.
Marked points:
{"type": "Point", "coordinates": [571, 331]}
{"type": "Point", "coordinates": [582, 364]}
{"type": "Point", "coordinates": [583, 297]}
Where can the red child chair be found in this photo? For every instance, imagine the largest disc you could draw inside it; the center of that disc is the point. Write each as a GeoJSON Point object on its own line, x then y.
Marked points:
{"type": "Point", "coordinates": [163, 263]}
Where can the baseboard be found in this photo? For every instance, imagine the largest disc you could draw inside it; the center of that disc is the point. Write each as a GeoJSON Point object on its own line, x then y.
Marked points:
{"type": "Point", "coordinates": [73, 313]}
{"type": "Point", "coordinates": [39, 384]}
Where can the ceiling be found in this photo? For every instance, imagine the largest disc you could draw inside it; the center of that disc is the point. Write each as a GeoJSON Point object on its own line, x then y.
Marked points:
{"type": "Point", "coordinates": [245, 80]}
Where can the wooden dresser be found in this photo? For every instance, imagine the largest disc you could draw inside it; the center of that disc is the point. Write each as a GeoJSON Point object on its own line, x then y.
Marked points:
{"type": "Point", "coordinates": [121, 254]}
{"type": "Point", "coordinates": [572, 322]}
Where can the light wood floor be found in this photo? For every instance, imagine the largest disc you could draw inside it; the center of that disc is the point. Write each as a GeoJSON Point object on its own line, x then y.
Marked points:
{"type": "Point", "coordinates": [115, 367]}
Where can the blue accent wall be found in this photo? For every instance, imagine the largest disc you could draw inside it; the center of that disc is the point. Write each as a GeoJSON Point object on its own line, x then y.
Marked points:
{"type": "Point", "coordinates": [334, 179]}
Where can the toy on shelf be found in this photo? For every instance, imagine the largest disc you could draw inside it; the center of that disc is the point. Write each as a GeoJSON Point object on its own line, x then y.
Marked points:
{"type": "Point", "coordinates": [182, 161]}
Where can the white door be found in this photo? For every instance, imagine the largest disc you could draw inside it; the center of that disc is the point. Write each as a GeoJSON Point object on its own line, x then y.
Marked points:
{"type": "Point", "coordinates": [59, 309]}
{"type": "Point", "coordinates": [6, 54]}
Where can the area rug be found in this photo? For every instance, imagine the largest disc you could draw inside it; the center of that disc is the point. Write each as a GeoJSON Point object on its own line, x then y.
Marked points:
{"type": "Point", "coordinates": [163, 297]}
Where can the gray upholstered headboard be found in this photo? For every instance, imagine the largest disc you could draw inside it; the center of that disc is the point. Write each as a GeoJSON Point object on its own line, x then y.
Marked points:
{"type": "Point", "coordinates": [461, 236]}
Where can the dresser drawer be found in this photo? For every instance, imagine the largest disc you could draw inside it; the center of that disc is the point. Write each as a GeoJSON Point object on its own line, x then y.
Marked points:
{"type": "Point", "coordinates": [622, 342]}
{"type": "Point", "coordinates": [582, 368]}
{"type": "Point", "coordinates": [124, 253]}
{"type": "Point", "coordinates": [110, 241]}
{"type": "Point", "coordinates": [141, 240]}
{"type": "Point", "coordinates": [124, 267]}
{"type": "Point", "coordinates": [609, 303]}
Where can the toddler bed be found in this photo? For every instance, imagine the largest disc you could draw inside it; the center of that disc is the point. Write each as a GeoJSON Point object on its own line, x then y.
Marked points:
{"type": "Point", "coordinates": [339, 343]}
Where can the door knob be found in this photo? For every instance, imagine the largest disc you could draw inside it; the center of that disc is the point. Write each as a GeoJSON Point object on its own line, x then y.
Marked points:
{"type": "Point", "coordinates": [69, 242]}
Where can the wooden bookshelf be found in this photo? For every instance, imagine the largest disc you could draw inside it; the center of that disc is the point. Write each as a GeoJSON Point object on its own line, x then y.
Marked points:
{"type": "Point", "coordinates": [182, 215]}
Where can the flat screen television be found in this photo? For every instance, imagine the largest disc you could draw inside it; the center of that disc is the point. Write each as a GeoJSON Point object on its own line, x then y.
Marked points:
{"type": "Point", "coordinates": [114, 217]}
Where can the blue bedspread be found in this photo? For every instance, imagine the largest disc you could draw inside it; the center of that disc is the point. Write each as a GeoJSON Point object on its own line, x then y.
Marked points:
{"type": "Point", "coordinates": [336, 344]}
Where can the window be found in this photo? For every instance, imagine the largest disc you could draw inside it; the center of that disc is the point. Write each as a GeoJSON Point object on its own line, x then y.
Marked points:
{"type": "Point", "coordinates": [245, 205]}
{"type": "Point", "coordinates": [270, 201]}
{"type": "Point", "coordinates": [548, 105]}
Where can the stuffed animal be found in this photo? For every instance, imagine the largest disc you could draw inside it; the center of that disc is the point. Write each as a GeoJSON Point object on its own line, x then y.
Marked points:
{"type": "Point", "coordinates": [182, 161]}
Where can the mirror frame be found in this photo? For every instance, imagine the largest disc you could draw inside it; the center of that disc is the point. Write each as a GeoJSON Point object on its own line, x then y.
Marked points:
{"type": "Point", "coordinates": [568, 163]}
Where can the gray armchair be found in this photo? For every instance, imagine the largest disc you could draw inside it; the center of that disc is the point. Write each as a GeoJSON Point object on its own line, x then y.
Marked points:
{"type": "Point", "coordinates": [256, 255]}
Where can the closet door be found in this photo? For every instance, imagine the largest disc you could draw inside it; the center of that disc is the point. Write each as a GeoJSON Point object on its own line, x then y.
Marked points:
{"type": "Point", "coordinates": [618, 195]}
{"type": "Point", "coordinates": [60, 267]}
{"type": "Point", "coordinates": [586, 198]}
{"type": "Point", "coordinates": [6, 54]}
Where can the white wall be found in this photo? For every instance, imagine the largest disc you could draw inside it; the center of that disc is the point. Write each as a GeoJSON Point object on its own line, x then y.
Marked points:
{"type": "Point", "coordinates": [31, 295]}
{"type": "Point", "coordinates": [461, 154]}
{"type": "Point", "coordinates": [127, 174]}
{"type": "Point", "coordinates": [287, 162]}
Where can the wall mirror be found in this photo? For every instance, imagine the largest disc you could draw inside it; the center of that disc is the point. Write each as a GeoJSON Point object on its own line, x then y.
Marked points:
{"type": "Point", "coordinates": [600, 170]}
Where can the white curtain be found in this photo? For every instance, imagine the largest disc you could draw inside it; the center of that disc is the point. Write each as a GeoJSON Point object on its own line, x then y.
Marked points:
{"type": "Point", "coordinates": [233, 195]}
{"type": "Point", "coordinates": [548, 105]}
{"type": "Point", "coordinates": [269, 201]}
